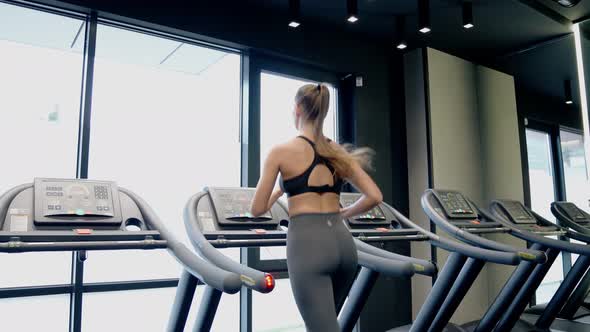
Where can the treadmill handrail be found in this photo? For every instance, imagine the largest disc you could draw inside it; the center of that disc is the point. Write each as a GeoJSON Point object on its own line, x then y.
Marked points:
{"type": "Point", "coordinates": [208, 273]}
{"type": "Point", "coordinates": [420, 266]}
{"type": "Point", "coordinates": [547, 242]}
{"type": "Point", "coordinates": [20, 246]}
{"type": "Point", "coordinates": [499, 257]}
{"type": "Point", "coordinates": [531, 255]}
{"type": "Point", "coordinates": [249, 277]}
{"type": "Point", "coordinates": [475, 240]}
{"type": "Point", "coordinates": [392, 268]}
{"type": "Point", "coordinates": [387, 262]}
{"type": "Point", "coordinates": [570, 223]}
{"type": "Point", "coordinates": [7, 197]}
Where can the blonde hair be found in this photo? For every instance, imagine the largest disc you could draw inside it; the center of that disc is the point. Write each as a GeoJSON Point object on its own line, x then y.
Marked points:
{"type": "Point", "coordinates": [314, 102]}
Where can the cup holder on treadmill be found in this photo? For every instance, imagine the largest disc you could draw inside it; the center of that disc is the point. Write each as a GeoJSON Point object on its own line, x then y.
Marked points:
{"type": "Point", "coordinates": [133, 225]}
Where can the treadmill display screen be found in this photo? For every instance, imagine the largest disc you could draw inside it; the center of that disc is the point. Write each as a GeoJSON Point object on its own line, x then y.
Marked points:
{"type": "Point", "coordinates": [518, 213]}
{"type": "Point", "coordinates": [573, 212]}
{"type": "Point", "coordinates": [375, 214]}
{"type": "Point", "coordinates": [455, 205]}
{"type": "Point", "coordinates": [235, 205]}
{"type": "Point", "coordinates": [76, 199]}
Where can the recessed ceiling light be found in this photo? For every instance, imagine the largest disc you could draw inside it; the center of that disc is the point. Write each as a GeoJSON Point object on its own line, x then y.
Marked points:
{"type": "Point", "coordinates": [400, 23]}
{"type": "Point", "coordinates": [567, 87]}
{"type": "Point", "coordinates": [294, 13]}
{"type": "Point", "coordinates": [467, 14]}
{"type": "Point", "coordinates": [352, 10]}
{"type": "Point", "coordinates": [424, 16]}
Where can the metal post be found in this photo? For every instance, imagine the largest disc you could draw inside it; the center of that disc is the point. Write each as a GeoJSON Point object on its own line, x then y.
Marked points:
{"type": "Point", "coordinates": [460, 287]}
{"type": "Point", "coordinates": [357, 298]}
{"type": "Point", "coordinates": [506, 295]}
{"type": "Point", "coordinates": [577, 298]}
{"type": "Point", "coordinates": [185, 292]}
{"type": "Point", "coordinates": [207, 309]}
{"type": "Point", "coordinates": [523, 296]}
{"type": "Point", "coordinates": [439, 292]}
{"type": "Point", "coordinates": [78, 259]}
{"type": "Point", "coordinates": [562, 294]}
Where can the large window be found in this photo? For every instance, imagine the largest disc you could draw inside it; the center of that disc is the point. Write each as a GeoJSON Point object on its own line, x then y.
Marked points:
{"type": "Point", "coordinates": [149, 310]}
{"type": "Point", "coordinates": [36, 313]}
{"type": "Point", "coordinates": [577, 189]}
{"type": "Point", "coordinates": [277, 102]}
{"type": "Point", "coordinates": [277, 125]}
{"type": "Point", "coordinates": [165, 123]}
{"type": "Point", "coordinates": [40, 82]}
{"type": "Point", "coordinates": [573, 158]}
{"type": "Point", "coordinates": [542, 188]}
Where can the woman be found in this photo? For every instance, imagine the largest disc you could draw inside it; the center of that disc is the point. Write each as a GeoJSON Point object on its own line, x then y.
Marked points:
{"type": "Point", "coordinates": [321, 255]}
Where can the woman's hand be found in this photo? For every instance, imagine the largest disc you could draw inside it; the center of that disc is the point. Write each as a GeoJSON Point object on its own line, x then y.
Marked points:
{"type": "Point", "coordinates": [344, 212]}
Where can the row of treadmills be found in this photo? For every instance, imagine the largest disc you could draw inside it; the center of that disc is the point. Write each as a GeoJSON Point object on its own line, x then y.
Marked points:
{"type": "Point", "coordinates": [80, 215]}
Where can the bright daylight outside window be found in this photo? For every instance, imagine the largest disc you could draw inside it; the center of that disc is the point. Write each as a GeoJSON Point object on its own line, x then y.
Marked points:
{"type": "Point", "coordinates": [542, 195]}
{"type": "Point", "coordinates": [165, 123]}
{"type": "Point", "coordinates": [277, 93]}
{"type": "Point", "coordinates": [40, 83]}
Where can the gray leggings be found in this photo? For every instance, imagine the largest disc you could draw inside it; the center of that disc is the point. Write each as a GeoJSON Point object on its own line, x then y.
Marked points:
{"type": "Point", "coordinates": [322, 263]}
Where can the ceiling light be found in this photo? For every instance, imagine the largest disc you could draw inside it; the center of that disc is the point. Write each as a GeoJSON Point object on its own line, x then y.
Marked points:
{"type": "Point", "coordinates": [567, 3]}
{"type": "Point", "coordinates": [294, 13]}
{"type": "Point", "coordinates": [424, 16]}
{"type": "Point", "coordinates": [352, 11]}
{"type": "Point", "coordinates": [400, 42]}
{"type": "Point", "coordinates": [467, 15]}
{"type": "Point", "coordinates": [352, 19]}
{"type": "Point", "coordinates": [567, 87]}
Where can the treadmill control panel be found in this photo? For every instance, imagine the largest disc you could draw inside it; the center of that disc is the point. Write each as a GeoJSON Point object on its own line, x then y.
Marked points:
{"type": "Point", "coordinates": [455, 205]}
{"type": "Point", "coordinates": [517, 213]}
{"type": "Point", "coordinates": [59, 201]}
{"type": "Point", "coordinates": [232, 207]}
{"type": "Point", "coordinates": [573, 212]}
{"type": "Point", "coordinates": [375, 216]}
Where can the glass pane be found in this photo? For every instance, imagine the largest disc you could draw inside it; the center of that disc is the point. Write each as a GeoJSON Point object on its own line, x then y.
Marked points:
{"type": "Point", "coordinates": [577, 189]}
{"type": "Point", "coordinates": [265, 317]}
{"type": "Point", "coordinates": [40, 82]}
{"type": "Point", "coordinates": [36, 313]}
{"type": "Point", "coordinates": [542, 195]}
{"type": "Point", "coordinates": [149, 310]}
{"type": "Point", "coordinates": [277, 94]}
{"type": "Point", "coordinates": [165, 123]}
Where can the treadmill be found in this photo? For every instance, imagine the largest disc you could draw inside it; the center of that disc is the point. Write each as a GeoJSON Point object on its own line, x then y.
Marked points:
{"type": "Point", "coordinates": [457, 215]}
{"type": "Point", "coordinates": [552, 316]}
{"type": "Point", "coordinates": [575, 219]}
{"type": "Point", "coordinates": [219, 217]}
{"type": "Point", "coordinates": [80, 215]}
{"type": "Point", "coordinates": [377, 225]}
{"type": "Point", "coordinates": [447, 292]}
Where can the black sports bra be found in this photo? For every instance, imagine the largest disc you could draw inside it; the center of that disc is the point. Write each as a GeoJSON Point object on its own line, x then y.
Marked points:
{"type": "Point", "coordinates": [299, 184]}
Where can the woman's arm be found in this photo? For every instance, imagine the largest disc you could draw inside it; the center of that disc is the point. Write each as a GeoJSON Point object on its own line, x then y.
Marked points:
{"type": "Point", "coordinates": [372, 196]}
{"type": "Point", "coordinates": [262, 198]}
{"type": "Point", "coordinates": [273, 198]}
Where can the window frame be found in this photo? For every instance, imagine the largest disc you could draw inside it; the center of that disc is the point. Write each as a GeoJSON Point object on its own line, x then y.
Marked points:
{"type": "Point", "coordinates": [253, 63]}
{"type": "Point", "coordinates": [553, 130]}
